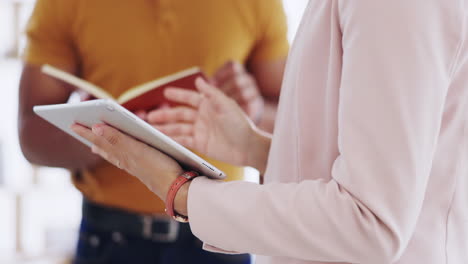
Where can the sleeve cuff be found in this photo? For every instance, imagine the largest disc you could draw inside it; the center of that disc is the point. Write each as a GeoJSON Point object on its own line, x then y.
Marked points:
{"type": "Point", "coordinates": [199, 212]}
{"type": "Point", "coordinates": [214, 249]}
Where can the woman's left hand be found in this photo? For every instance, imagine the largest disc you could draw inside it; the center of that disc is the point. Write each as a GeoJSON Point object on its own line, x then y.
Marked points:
{"type": "Point", "coordinates": [154, 168]}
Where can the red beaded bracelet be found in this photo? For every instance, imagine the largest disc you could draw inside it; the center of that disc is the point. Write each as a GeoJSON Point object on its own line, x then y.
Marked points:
{"type": "Point", "coordinates": [171, 194]}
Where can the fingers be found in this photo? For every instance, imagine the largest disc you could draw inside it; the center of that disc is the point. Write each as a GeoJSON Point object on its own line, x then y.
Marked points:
{"type": "Point", "coordinates": [216, 98]}
{"type": "Point", "coordinates": [183, 96]}
{"type": "Point", "coordinates": [236, 82]}
{"type": "Point", "coordinates": [231, 86]}
{"type": "Point", "coordinates": [254, 109]}
{"type": "Point", "coordinates": [92, 137]}
{"type": "Point", "coordinates": [84, 96]}
{"type": "Point", "coordinates": [107, 142]}
{"type": "Point", "coordinates": [180, 132]}
{"type": "Point", "coordinates": [111, 135]}
{"type": "Point", "coordinates": [242, 88]}
{"type": "Point", "coordinates": [185, 141]}
{"type": "Point", "coordinates": [142, 115]}
{"type": "Point", "coordinates": [175, 130]}
{"type": "Point", "coordinates": [227, 72]}
{"type": "Point", "coordinates": [95, 137]}
{"type": "Point", "coordinates": [171, 115]}
{"type": "Point", "coordinates": [208, 90]}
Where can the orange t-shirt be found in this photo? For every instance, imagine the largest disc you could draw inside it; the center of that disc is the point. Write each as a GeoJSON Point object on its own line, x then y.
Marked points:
{"type": "Point", "coordinates": [120, 44]}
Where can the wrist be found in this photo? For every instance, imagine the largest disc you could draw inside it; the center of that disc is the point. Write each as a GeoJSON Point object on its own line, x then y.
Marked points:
{"type": "Point", "coordinates": [267, 121]}
{"type": "Point", "coordinates": [161, 185]}
{"type": "Point", "coordinates": [177, 195]}
{"type": "Point", "coordinates": [181, 199]}
{"type": "Point", "coordinates": [258, 110]}
{"type": "Point", "coordinates": [259, 146]}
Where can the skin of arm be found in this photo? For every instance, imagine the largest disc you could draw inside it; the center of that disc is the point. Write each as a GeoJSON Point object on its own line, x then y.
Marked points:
{"type": "Point", "coordinates": [41, 142]}
{"type": "Point", "coordinates": [269, 77]}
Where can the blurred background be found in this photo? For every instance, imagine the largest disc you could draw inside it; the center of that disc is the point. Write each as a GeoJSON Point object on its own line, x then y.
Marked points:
{"type": "Point", "coordinates": [39, 207]}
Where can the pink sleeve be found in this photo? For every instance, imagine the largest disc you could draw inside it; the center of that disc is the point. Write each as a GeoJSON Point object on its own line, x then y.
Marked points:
{"type": "Point", "coordinates": [396, 69]}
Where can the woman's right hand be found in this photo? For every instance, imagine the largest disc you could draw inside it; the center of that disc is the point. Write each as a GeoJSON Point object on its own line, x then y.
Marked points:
{"type": "Point", "coordinates": [213, 125]}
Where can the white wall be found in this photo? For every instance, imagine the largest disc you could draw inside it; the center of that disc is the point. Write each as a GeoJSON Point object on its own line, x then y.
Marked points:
{"type": "Point", "coordinates": [294, 10]}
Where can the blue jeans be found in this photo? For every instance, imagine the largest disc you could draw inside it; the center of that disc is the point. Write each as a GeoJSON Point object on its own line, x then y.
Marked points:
{"type": "Point", "coordinates": [104, 247]}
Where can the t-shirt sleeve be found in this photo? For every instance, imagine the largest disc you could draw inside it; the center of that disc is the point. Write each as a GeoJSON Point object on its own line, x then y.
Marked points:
{"type": "Point", "coordinates": [272, 42]}
{"type": "Point", "coordinates": [49, 35]}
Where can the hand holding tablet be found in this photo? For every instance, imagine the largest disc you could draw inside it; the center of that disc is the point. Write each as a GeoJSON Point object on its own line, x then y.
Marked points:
{"type": "Point", "coordinates": [106, 111]}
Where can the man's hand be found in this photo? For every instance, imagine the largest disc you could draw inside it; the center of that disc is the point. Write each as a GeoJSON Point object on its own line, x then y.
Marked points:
{"type": "Point", "coordinates": [234, 80]}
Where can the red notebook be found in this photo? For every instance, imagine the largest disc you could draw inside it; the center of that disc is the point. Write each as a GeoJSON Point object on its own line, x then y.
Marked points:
{"type": "Point", "coordinates": [146, 96]}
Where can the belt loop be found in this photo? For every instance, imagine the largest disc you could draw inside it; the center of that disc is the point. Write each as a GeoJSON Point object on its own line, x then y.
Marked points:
{"type": "Point", "coordinates": [147, 230]}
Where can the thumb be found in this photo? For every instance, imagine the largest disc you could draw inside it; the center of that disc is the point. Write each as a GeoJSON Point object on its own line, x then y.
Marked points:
{"type": "Point", "coordinates": [212, 93]}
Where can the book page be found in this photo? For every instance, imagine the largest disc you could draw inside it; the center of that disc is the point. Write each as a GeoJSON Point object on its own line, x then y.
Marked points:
{"type": "Point", "coordinates": [143, 88]}
{"type": "Point", "coordinates": [77, 82]}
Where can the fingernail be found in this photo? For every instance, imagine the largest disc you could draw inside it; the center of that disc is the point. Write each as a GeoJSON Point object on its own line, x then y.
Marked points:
{"type": "Point", "coordinates": [97, 130]}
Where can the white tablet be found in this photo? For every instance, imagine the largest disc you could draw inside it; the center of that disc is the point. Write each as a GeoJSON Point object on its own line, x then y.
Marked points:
{"type": "Point", "coordinates": [89, 113]}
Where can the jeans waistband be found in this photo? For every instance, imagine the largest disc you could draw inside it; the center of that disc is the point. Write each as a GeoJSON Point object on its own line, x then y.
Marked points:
{"type": "Point", "coordinates": [160, 228]}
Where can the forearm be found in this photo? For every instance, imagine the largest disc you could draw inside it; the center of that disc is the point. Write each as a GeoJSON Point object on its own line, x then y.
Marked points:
{"type": "Point", "coordinates": [43, 144]}
{"type": "Point", "coordinates": [267, 120]}
{"type": "Point", "coordinates": [313, 210]}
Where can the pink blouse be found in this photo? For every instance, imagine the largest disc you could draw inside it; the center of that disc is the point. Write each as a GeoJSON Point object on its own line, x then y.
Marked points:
{"type": "Point", "coordinates": [369, 158]}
